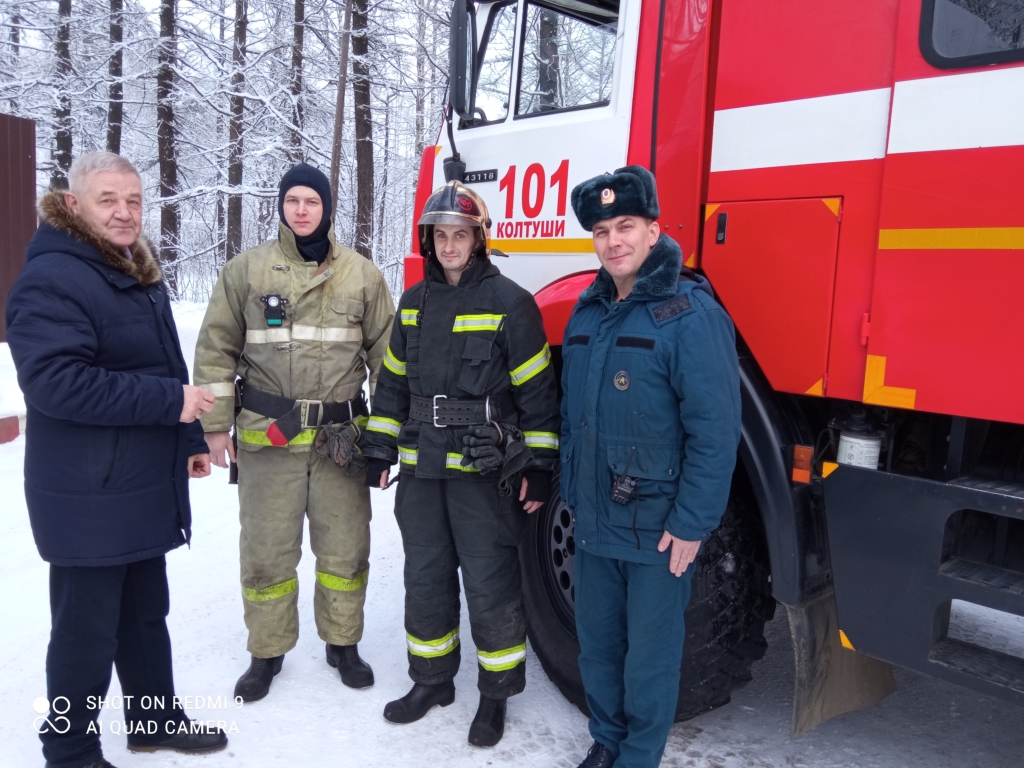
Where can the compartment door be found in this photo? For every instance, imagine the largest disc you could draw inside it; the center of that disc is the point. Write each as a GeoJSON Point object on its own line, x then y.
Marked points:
{"type": "Point", "coordinates": [772, 265]}
{"type": "Point", "coordinates": [947, 321]}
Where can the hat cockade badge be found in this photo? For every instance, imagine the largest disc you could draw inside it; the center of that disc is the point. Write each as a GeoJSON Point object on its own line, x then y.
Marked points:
{"type": "Point", "coordinates": [607, 196]}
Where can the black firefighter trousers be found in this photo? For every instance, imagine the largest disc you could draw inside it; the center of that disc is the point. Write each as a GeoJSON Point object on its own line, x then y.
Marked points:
{"type": "Point", "coordinates": [104, 616]}
{"type": "Point", "coordinates": [448, 524]}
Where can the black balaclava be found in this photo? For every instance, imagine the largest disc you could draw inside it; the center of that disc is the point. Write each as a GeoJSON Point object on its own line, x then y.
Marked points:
{"type": "Point", "coordinates": [314, 246]}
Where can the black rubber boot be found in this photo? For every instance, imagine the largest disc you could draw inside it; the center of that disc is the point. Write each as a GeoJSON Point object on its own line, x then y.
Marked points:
{"type": "Point", "coordinates": [599, 756]}
{"type": "Point", "coordinates": [255, 683]}
{"type": "Point", "coordinates": [489, 723]}
{"type": "Point", "coordinates": [194, 738]}
{"type": "Point", "coordinates": [355, 673]}
{"type": "Point", "coordinates": [418, 701]}
{"type": "Point", "coordinates": [101, 763]}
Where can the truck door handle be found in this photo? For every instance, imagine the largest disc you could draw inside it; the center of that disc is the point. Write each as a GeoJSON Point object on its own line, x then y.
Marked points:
{"type": "Point", "coordinates": [723, 218]}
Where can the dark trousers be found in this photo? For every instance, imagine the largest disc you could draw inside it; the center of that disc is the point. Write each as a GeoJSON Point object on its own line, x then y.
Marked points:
{"type": "Point", "coordinates": [102, 616]}
{"type": "Point", "coordinates": [629, 618]}
{"type": "Point", "coordinates": [448, 524]}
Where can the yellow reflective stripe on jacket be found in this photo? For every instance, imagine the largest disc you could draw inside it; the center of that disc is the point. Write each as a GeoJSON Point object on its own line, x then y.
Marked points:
{"type": "Point", "coordinates": [431, 649]}
{"type": "Point", "coordinates": [531, 367]}
{"type": "Point", "coordinates": [541, 440]}
{"type": "Point", "coordinates": [384, 425]}
{"type": "Point", "coordinates": [454, 461]}
{"type": "Point", "coordinates": [407, 455]}
{"type": "Point", "coordinates": [477, 323]}
{"type": "Point", "coordinates": [270, 593]}
{"type": "Point", "coordinates": [338, 584]}
{"type": "Point", "coordinates": [499, 661]}
{"type": "Point", "coordinates": [393, 364]}
{"type": "Point", "coordinates": [410, 317]}
{"type": "Point", "coordinates": [255, 437]}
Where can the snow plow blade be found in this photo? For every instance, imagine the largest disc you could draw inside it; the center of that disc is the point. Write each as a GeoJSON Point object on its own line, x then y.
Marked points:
{"type": "Point", "coordinates": [830, 679]}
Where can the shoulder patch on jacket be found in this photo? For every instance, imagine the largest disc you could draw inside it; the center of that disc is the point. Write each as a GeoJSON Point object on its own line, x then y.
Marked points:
{"type": "Point", "coordinates": [674, 306]}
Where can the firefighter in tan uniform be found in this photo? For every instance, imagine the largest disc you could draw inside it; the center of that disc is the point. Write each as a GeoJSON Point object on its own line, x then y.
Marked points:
{"type": "Point", "coordinates": [297, 321]}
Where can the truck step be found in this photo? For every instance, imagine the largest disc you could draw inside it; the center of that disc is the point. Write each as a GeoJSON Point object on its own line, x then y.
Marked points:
{"type": "Point", "coordinates": [990, 576]}
{"type": "Point", "coordinates": [1011, 492]}
{"type": "Point", "coordinates": [991, 666]}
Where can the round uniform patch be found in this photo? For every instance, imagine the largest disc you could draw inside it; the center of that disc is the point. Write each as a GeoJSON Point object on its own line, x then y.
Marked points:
{"type": "Point", "coordinates": [621, 380]}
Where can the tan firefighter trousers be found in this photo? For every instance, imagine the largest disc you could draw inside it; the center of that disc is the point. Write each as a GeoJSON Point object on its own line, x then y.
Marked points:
{"type": "Point", "coordinates": [277, 489]}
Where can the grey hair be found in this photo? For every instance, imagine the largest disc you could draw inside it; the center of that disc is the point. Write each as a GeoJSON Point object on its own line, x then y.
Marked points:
{"type": "Point", "coordinates": [96, 162]}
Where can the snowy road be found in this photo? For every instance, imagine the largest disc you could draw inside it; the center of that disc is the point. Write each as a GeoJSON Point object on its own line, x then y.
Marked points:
{"type": "Point", "coordinates": [310, 719]}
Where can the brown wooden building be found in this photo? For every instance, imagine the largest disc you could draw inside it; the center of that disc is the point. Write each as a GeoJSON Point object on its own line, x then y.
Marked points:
{"type": "Point", "coordinates": [17, 202]}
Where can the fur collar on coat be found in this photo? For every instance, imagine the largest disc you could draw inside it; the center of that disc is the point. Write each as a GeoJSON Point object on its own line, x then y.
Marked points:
{"type": "Point", "coordinates": [658, 277]}
{"type": "Point", "coordinates": [142, 265]}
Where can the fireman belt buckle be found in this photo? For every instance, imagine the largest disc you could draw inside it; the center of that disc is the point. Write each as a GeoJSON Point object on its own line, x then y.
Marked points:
{"type": "Point", "coordinates": [443, 397]}
{"type": "Point", "coordinates": [307, 411]}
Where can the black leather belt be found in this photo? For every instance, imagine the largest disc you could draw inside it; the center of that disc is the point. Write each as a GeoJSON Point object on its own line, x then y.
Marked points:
{"type": "Point", "coordinates": [293, 416]}
{"type": "Point", "coordinates": [443, 411]}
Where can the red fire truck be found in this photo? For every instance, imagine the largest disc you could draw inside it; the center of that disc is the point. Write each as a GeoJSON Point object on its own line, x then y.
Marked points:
{"type": "Point", "coordinates": [850, 178]}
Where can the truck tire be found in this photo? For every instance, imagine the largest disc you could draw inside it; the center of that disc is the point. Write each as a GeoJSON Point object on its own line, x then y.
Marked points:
{"type": "Point", "coordinates": [730, 602]}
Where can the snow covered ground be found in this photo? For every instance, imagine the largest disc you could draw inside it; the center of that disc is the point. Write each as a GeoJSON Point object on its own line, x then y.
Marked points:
{"type": "Point", "coordinates": [310, 719]}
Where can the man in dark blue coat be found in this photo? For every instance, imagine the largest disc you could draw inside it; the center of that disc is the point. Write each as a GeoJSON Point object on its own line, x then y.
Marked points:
{"type": "Point", "coordinates": [650, 427]}
{"type": "Point", "coordinates": [111, 440]}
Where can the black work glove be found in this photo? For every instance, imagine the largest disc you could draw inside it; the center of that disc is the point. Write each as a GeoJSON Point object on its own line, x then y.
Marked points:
{"type": "Point", "coordinates": [538, 485]}
{"type": "Point", "coordinates": [483, 448]}
{"type": "Point", "coordinates": [374, 467]}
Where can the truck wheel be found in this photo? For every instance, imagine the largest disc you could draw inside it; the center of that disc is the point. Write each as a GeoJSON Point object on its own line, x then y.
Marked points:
{"type": "Point", "coordinates": [729, 604]}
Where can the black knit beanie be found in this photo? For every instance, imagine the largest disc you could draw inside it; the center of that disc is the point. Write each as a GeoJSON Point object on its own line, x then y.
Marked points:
{"type": "Point", "coordinates": [316, 245]}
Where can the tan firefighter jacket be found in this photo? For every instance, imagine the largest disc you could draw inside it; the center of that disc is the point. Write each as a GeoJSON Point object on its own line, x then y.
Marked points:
{"type": "Point", "coordinates": [337, 324]}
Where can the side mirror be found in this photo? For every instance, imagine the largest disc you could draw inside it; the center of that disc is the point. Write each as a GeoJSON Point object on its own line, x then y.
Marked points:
{"type": "Point", "coordinates": [462, 58]}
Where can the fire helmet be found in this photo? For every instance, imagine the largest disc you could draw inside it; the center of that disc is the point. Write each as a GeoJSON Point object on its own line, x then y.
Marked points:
{"type": "Point", "coordinates": [454, 204]}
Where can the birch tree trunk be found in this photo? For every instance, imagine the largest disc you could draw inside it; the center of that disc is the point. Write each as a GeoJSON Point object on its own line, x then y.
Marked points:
{"type": "Point", "coordinates": [166, 137]}
{"type": "Point", "coordinates": [233, 244]}
{"type": "Point", "coordinates": [339, 106]}
{"type": "Point", "coordinates": [421, 79]}
{"type": "Point", "coordinates": [115, 105]}
{"type": "Point", "coordinates": [295, 153]}
{"type": "Point", "coordinates": [62, 135]}
{"type": "Point", "coordinates": [364, 129]}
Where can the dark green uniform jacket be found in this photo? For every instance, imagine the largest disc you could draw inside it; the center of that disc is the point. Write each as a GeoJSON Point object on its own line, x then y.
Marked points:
{"type": "Point", "coordinates": [652, 381]}
{"type": "Point", "coordinates": [481, 337]}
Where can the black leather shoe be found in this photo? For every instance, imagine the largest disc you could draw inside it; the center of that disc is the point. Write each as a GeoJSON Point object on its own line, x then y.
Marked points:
{"type": "Point", "coordinates": [193, 738]}
{"type": "Point", "coordinates": [255, 683]}
{"type": "Point", "coordinates": [418, 701]}
{"type": "Point", "coordinates": [489, 723]}
{"type": "Point", "coordinates": [355, 673]}
{"type": "Point", "coordinates": [599, 756]}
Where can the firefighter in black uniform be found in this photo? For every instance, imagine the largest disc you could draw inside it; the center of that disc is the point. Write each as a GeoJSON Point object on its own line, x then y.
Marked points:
{"type": "Point", "coordinates": [466, 403]}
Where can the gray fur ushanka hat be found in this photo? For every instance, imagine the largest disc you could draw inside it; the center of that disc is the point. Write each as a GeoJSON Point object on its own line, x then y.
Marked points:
{"type": "Point", "coordinates": [630, 191]}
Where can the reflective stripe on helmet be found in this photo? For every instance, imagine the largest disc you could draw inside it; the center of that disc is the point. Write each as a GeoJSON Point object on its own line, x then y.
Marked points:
{"type": "Point", "coordinates": [531, 367]}
{"type": "Point", "coordinates": [431, 649]}
{"type": "Point", "coordinates": [499, 661]}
